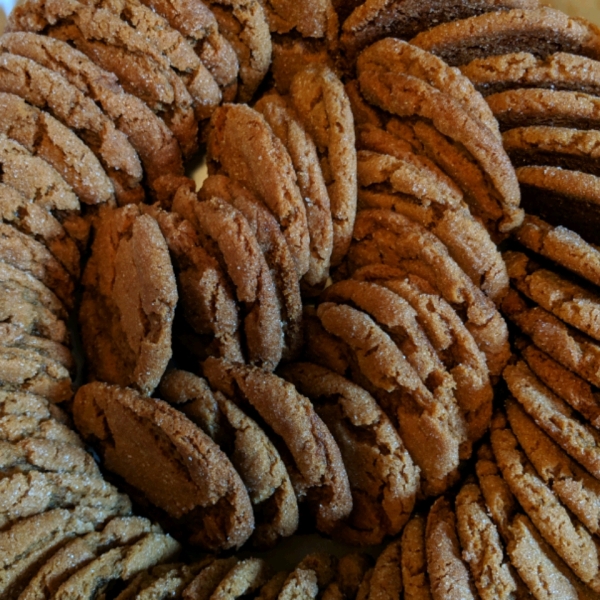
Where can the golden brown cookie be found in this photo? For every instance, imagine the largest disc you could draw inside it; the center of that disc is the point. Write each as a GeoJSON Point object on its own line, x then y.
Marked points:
{"type": "Point", "coordinates": [302, 150]}
{"type": "Point", "coordinates": [128, 301]}
{"type": "Point", "coordinates": [315, 465]}
{"type": "Point", "coordinates": [275, 250]}
{"type": "Point", "coordinates": [321, 103]}
{"type": "Point", "coordinates": [560, 71]}
{"type": "Point", "coordinates": [251, 452]}
{"type": "Point", "coordinates": [541, 31]}
{"type": "Point", "coordinates": [242, 146]}
{"type": "Point", "coordinates": [389, 238]}
{"type": "Point", "coordinates": [562, 246]}
{"type": "Point", "coordinates": [245, 577]}
{"type": "Point", "coordinates": [383, 478]}
{"type": "Point", "coordinates": [196, 485]}
{"type": "Point", "coordinates": [413, 560]}
{"type": "Point", "coordinates": [385, 580]}
{"type": "Point", "coordinates": [50, 91]}
{"type": "Point", "coordinates": [271, 589]}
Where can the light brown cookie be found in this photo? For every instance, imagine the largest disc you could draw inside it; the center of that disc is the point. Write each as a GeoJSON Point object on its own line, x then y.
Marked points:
{"type": "Point", "coordinates": [408, 96]}
{"type": "Point", "coordinates": [566, 345]}
{"type": "Point", "coordinates": [251, 452]}
{"type": "Point", "coordinates": [19, 426]}
{"type": "Point", "coordinates": [309, 19]}
{"type": "Point", "coordinates": [413, 560]}
{"type": "Point", "coordinates": [315, 465]}
{"type": "Point", "coordinates": [376, 19]}
{"type": "Point", "coordinates": [287, 127]}
{"type": "Point", "coordinates": [275, 250]}
{"type": "Point", "coordinates": [448, 574]}
{"type": "Point", "coordinates": [262, 164]}
{"type": "Point", "coordinates": [52, 92]}
{"type": "Point", "coordinates": [201, 493]}
{"type": "Point", "coordinates": [562, 246]}
{"type": "Point", "coordinates": [227, 236]}
{"type": "Point", "coordinates": [161, 581]}
{"type": "Point", "coordinates": [451, 340]}
{"type": "Point", "coordinates": [383, 478]}
{"type": "Point", "coordinates": [301, 584]}
{"type": "Point", "coordinates": [245, 577]}
{"type": "Point", "coordinates": [369, 357]}
{"type": "Point", "coordinates": [209, 577]}
{"type": "Point", "coordinates": [541, 31]}
{"type": "Point", "coordinates": [389, 238]}
{"type": "Point", "coordinates": [320, 101]}
{"type": "Point", "coordinates": [128, 301]}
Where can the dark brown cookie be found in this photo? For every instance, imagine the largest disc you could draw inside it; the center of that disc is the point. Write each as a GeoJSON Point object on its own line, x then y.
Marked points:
{"type": "Point", "coordinates": [261, 163]}
{"type": "Point", "coordinates": [541, 31]}
{"type": "Point", "coordinates": [383, 478]}
{"type": "Point", "coordinates": [315, 465]}
{"type": "Point", "coordinates": [128, 301]}
{"type": "Point", "coordinates": [195, 484]}
{"type": "Point", "coordinates": [51, 92]}
{"type": "Point", "coordinates": [320, 101]}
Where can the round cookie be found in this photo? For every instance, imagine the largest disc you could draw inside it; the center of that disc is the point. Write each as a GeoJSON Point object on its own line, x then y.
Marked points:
{"type": "Point", "coordinates": [51, 92]}
{"type": "Point", "coordinates": [560, 71]}
{"type": "Point", "coordinates": [195, 484]}
{"type": "Point", "coordinates": [376, 19]}
{"type": "Point", "coordinates": [383, 479]}
{"type": "Point", "coordinates": [247, 446]}
{"type": "Point", "coordinates": [385, 237]}
{"type": "Point", "coordinates": [302, 150]}
{"type": "Point", "coordinates": [317, 471]}
{"type": "Point", "coordinates": [128, 301]}
{"type": "Point", "coordinates": [541, 31]}
{"type": "Point", "coordinates": [413, 560]}
{"type": "Point", "coordinates": [49, 139]}
{"type": "Point", "coordinates": [242, 146]}
{"type": "Point", "coordinates": [321, 103]}
{"type": "Point", "coordinates": [275, 250]}
{"type": "Point", "coordinates": [309, 19]}
{"type": "Point", "coordinates": [450, 339]}
{"type": "Point", "coordinates": [562, 246]}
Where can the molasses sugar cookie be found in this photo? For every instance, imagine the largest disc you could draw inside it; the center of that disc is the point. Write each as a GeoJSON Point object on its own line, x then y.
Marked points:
{"type": "Point", "coordinates": [209, 577]}
{"type": "Point", "coordinates": [413, 561]}
{"type": "Point", "coordinates": [244, 578]}
{"type": "Point", "coordinates": [323, 107]}
{"type": "Point", "coordinates": [560, 71]}
{"type": "Point", "coordinates": [275, 250]}
{"type": "Point", "coordinates": [262, 164]}
{"type": "Point", "coordinates": [158, 451]}
{"type": "Point", "coordinates": [128, 301]}
{"type": "Point", "coordinates": [315, 465]}
{"type": "Point", "coordinates": [271, 589]}
{"type": "Point", "coordinates": [247, 446]}
{"type": "Point", "coordinates": [386, 576]}
{"type": "Point", "coordinates": [302, 150]}
{"type": "Point", "coordinates": [541, 31]}
{"type": "Point", "coordinates": [383, 478]}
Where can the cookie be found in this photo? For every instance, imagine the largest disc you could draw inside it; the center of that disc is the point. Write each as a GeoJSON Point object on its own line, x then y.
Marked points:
{"type": "Point", "coordinates": [560, 71]}
{"type": "Point", "coordinates": [128, 301]}
{"type": "Point", "coordinates": [275, 250]}
{"type": "Point", "coordinates": [315, 466]}
{"type": "Point", "coordinates": [205, 294]}
{"type": "Point", "coordinates": [482, 547]}
{"type": "Point", "coordinates": [302, 150]}
{"type": "Point", "coordinates": [386, 577]}
{"type": "Point", "coordinates": [562, 197]}
{"type": "Point", "coordinates": [383, 479]}
{"type": "Point", "coordinates": [37, 221]}
{"type": "Point", "coordinates": [207, 580]}
{"type": "Point", "coordinates": [320, 101]}
{"type": "Point", "coordinates": [161, 581]}
{"type": "Point", "coordinates": [309, 20]}
{"type": "Point", "coordinates": [261, 163]}
{"type": "Point", "coordinates": [393, 55]}
{"type": "Point", "coordinates": [247, 446]}
{"type": "Point", "coordinates": [541, 31]}
{"type": "Point", "coordinates": [228, 237]}
{"type": "Point", "coordinates": [389, 238]}
{"type": "Point", "coordinates": [538, 107]}
{"type": "Point", "coordinates": [245, 577]}
{"type": "Point", "coordinates": [376, 19]}
{"type": "Point", "coordinates": [202, 494]}
{"type": "Point", "coordinates": [49, 139]}
{"type": "Point", "coordinates": [566, 345]}
{"type": "Point", "coordinates": [351, 571]}
{"type": "Point", "coordinates": [51, 92]}
{"type": "Point", "coordinates": [562, 246]}
{"type": "Point", "coordinates": [408, 96]}
{"type": "Point", "coordinates": [448, 575]}
{"type": "Point", "coordinates": [154, 142]}
{"type": "Point", "coordinates": [273, 587]}
{"type": "Point", "coordinates": [244, 25]}
{"type": "Point", "coordinates": [376, 363]}
{"type": "Point", "coordinates": [447, 334]}
{"type": "Point", "coordinates": [301, 584]}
